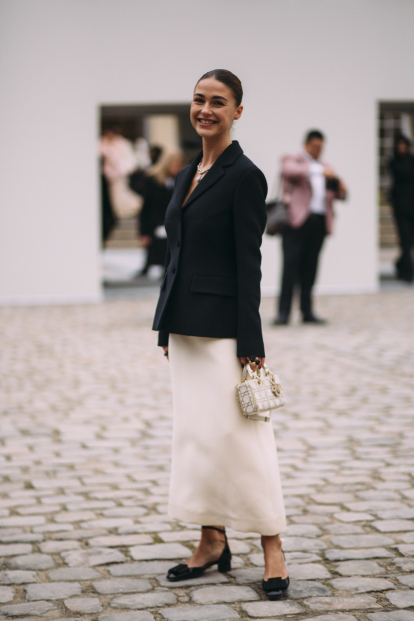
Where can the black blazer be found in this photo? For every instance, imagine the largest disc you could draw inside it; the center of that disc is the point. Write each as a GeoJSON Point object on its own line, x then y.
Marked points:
{"type": "Point", "coordinates": [211, 286]}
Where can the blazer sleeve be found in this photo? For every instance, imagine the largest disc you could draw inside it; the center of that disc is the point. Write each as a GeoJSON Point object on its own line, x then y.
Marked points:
{"type": "Point", "coordinates": [294, 168]}
{"type": "Point", "coordinates": [163, 338]}
{"type": "Point", "coordinates": [163, 335]}
{"type": "Point", "coordinates": [249, 217]}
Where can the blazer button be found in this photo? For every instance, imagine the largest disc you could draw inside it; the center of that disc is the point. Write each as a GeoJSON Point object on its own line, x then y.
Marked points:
{"type": "Point", "coordinates": [173, 270]}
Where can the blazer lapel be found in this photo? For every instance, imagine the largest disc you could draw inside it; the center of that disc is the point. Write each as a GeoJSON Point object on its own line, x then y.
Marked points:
{"type": "Point", "coordinates": [217, 171]}
{"type": "Point", "coordinates": [210, 179]}
{"type": "Point", "coordinates": [185, 183]}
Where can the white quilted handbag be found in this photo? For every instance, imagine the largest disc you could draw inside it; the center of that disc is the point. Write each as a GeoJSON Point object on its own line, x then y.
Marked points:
{"type": "Point", "coordinates": [259, 392]}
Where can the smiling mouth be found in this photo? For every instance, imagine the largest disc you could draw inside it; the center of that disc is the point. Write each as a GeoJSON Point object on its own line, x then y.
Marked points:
{"type": "Point", "coordinates": [206, 123]}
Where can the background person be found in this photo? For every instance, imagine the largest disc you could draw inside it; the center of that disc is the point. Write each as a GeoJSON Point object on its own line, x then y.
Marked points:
{"type": "Point", "coordinates": [224, 466]}
{"type": "Point", "coordinates": [311, 186]}
{"type": "Point", "coordinates": [155, 153]}
{"type": "Point", "coordinates": [159, 188]}
{"type": "Point", "coordinates": [119, 160]}
{"type": "Point", "coordinates": [138, 178]}
{"type": "Point", "coordinates": [402, 200]}
{"type": "Point", "coordinates": [108, 218]}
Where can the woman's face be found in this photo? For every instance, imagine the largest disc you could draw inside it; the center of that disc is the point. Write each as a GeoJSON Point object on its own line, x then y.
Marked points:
{"type": "Point", "coordinates": [213, 108]}
{"type": "Point", "coordinates": [402, 147]}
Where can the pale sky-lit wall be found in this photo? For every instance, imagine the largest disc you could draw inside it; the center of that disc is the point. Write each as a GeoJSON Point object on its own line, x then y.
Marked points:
{"type": "Point", "coordinates": [303, 63]}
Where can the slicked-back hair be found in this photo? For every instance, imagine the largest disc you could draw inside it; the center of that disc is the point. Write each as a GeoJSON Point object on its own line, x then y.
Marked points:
{"type": "Point", "coordinates": [229, 79]}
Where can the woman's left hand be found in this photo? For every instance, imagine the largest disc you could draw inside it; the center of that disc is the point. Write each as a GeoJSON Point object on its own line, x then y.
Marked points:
{"type": "Point", "coordinates": [246, 359]}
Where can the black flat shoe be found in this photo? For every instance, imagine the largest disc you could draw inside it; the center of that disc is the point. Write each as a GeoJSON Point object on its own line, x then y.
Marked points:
{"type": "Point", "coordinates": [275, 587]}
{"type": "Point", "coordinates": [315, 320]}
{"type": "Point", "coordinates": [281, 320]}
{"type": "Point", "coordinates": [184, 572]}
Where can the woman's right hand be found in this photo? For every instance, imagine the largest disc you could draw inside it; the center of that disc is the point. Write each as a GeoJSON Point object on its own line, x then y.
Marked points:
{"type": "Point", "coordinates": [246, 360]}
{"type": "Point", "coordinates": [165, 348]}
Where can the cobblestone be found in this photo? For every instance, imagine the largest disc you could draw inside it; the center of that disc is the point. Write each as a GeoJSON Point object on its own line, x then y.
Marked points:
{"type": "Point", "coordinates": [83, 604]}
{"type": "Point", "coordinates": [17, 577]}
{"type": "Point", "coordinates": [74, 573]}
{"type": "Point", "coordinates": [307, 588]}
{"type": "Point", "coordinates": [361, 541]}
{"type": "Point", "coordinates": [342, 555]}
{"type": "Point", "coordinates": [200, 613]}
{"type": "Point", "coordinates": [361, 602]}
{"type": "Point", "coordinates": [226, 594]}
{"type": "Point", "coordinates": [31, 561]}
{"type": "Point", "coordinates": [136, 615]}
{"type": "Point", "coordinates": [85, 451]}
{"type": "Point", "coordinates": [159, 551]}
{"type": "Point", "coordinates": [146, 600]}
{"type": "Point", "coordinates": [31, 608]}
{"type": "Point", "coordinates": [401, 599]}
{"type": "Point", "coordinates": [92, 557]}
{"type": "Point", "coordinates": [6, 594]}
{"type": "Point", "coordinates": [334, 617]}
{"type": "Point", "coordinates": [146, 568]}
{"type": "Point", "coordinates": [359, 568]}
{"type": "Point", "coordinates": [52, 590]}
{"type": "Point", "coordinates": [13, 550]}
{"type": "Point", "coordinates": [406, 549]}
{"type": "Point", "coordinates": [395, 615]}
{"type": "Point", "coordinates": [272, 609]}
{"type": "Point", "coordinates": [387, 526]}
{"type": "Point", "coordinates": [122, 585]}
{"type": "Point", "coordinates": [309, 571]}
{"type": "Point", "coordinates": [362, 585]}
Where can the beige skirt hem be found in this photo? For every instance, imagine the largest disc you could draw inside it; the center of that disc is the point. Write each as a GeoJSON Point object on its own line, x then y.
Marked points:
{"type": "Point", "coordinates": [264, 527]}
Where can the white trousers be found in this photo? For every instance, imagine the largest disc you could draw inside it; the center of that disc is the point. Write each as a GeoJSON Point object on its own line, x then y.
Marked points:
{"type": "Point", "coordinates": [224, 466]}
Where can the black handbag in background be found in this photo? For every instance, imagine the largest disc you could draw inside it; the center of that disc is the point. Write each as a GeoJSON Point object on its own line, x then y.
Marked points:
{"type": "Point", "coordinates": [277, 213]}
{"type": "Point", "coordinates": [277, 217]}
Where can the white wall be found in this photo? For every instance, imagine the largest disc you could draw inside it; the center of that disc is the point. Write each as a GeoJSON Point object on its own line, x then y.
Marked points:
{"type": "Point", "coordinates": [303, 63]}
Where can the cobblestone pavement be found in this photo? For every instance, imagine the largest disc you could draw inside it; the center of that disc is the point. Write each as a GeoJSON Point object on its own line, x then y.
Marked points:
{"type": "Point", "coordinates": [85, 450]}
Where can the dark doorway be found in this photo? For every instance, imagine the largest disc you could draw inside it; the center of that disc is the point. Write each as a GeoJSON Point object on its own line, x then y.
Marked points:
{"type": "Point", "coordinates": [394, 118]}
{"type": "Point", "coordinates": [166, 126]}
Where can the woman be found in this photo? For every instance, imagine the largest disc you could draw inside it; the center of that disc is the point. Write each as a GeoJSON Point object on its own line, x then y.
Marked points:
{"type": "Point", "coordinates": [402, 200]}
{"type": "Point", "coordinates": [224, 466]}
{"type": "Point", "coordinates": [158, 191]}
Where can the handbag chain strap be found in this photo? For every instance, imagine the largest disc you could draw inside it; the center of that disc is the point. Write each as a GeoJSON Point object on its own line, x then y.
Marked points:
{"type": "Point", "coordinates": [276, 389]}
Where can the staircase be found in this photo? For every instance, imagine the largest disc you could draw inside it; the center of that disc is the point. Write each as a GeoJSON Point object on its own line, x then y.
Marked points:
{"type": "Point", "coordinates": [387, 233]}
{"type": "Point", "coordinates": [124, 235]}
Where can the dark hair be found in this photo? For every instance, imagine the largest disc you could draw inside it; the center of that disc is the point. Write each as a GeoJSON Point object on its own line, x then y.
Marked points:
{"type": "Point", "coordinates": [314, 133]}
{"type": "Point", "coordinates": [400, 138]}
{"type": "Point", "coordinates": [404, 139]}
{"type": "Point", "coordinates": [155, 153]}
{"type": "Point", "coordinates": [229, 79]}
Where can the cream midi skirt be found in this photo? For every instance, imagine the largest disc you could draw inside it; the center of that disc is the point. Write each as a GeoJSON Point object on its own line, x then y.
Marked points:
{"type": "Point", "coordinates": [224, 466]}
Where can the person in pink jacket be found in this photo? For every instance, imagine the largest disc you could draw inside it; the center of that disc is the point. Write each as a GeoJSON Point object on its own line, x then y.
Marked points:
{"type": "Point", "coordinates": [310, 186]}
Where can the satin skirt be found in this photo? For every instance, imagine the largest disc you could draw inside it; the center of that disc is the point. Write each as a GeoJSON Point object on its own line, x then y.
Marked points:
{"type": "Point", "coordinates": [224, 466]}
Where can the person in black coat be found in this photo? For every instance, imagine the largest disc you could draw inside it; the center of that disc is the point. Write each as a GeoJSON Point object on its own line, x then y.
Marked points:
{"type": "Point", "coordinates": [158, 191]}
{"type": "Point", "coordinates": [224, 466]}
{"type": "Point", "coordinates": [402, 200]}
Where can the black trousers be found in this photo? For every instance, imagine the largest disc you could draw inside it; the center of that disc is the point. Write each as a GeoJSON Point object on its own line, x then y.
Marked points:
{"type": "Point", "coordinates": [301, 248]}
{"type": "Point", "coordinates": [405, 227]}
